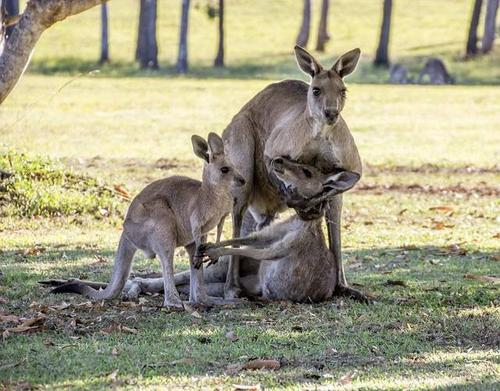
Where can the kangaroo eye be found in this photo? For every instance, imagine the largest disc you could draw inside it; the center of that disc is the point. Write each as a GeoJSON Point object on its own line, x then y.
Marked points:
{"type": "Point", "coordinates": [307, 173]}
{"type": "Point", "coordinates": [225, 170]}
{"type": "Point", "coordinates": [316, 91]}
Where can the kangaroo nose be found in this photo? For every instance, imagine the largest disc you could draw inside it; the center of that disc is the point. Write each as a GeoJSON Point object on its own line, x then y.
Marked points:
{"type": "Point", "coordinates": [331, 114]}
{"type": "Point", "coordinates": [241, 180]}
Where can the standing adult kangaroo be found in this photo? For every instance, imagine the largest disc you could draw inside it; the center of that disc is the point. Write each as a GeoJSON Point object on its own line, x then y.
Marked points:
{"type": "Point", "coordinates": [301, 122]}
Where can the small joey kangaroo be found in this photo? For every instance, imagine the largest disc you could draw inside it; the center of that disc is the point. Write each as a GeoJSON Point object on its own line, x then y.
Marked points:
{"type": "Point", "coordinates": [169, 213]}
{"type": "Point", "coordinates": [296, 262]}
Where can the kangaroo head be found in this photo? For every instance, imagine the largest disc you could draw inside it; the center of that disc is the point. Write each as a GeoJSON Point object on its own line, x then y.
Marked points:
{"type": "Point", "coordinates": [327, 92]}
{"type": "Point", "coordinates": [218, 170]}
{"type": "Point", "coordinates": [306, 181]}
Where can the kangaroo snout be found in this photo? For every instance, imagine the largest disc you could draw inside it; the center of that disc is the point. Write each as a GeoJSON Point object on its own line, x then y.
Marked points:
{"type": "Point", "coordinates": [331, 115]}
{"type": "Point", "coordinates": [239, 180]}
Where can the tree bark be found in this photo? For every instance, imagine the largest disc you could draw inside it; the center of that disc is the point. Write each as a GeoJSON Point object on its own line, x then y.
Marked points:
{"type": "Point", "coordinates": [104, 35]}
{"type": "Point", "coordinates": [303, 36]}
{"type": "Point", "coordinates": [37, 17]}
{"type": "Point", "coordinates": [323, 35]}
{"type": "Point", "coordinates": [12, 8]}
{"type": "Point", "coordinates": [471, 48]}
{"type": "Point", "coordinates": [219, 59]}
{"type": "Point", "coordinates": [182, 59]}
{"type": "Point", "coordinates": [489, 26]}
{"type": "Point", "coordinates": [147, 49]}
{"type": "Point", "coordinates": [382, 55]}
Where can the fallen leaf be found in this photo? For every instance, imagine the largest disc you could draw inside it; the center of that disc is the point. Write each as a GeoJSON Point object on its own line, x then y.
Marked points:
{"type": "Point", "coordinates": [347, 378]}
{"type": "Point", "coordinates": [114, 352]}
{"type": "Point", "coordinates": [395, 283]}
{"type": "Point", "coordinates": [496, 236]}
{"type": "Point", "coordinates": [34, 321]}
{"type": "Point", "coordinates": [192, 311]}
{"type": "Point", "coordinates": [241, 387]}
{"type": "Point", "coordinates": [60, 307]}
{"type": "Point", "coordinates": [231, 335]}
{"type": "Point", "coordinates": [494, 280]}
{"type": "Point", "coordinates": [442, 209]}
{"type": "Point", "coordinates": [36, 250]}
{"type": "Point", "coordinates": [129, 330]}
{"type": "Point", "coordinates": [9, 318]}
{"type": "Point", "coordinates": [262, 364]}
{"type": "Point", "coordinates": [122, 192]}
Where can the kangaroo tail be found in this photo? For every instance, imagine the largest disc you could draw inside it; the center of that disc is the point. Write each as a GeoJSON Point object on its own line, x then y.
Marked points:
{"type": "Point", "coordinates": [121, 271]}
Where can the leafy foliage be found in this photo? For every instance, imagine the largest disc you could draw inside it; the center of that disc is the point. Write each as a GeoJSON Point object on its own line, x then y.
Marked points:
{"type": "Point", "coordinates": [43, 187]}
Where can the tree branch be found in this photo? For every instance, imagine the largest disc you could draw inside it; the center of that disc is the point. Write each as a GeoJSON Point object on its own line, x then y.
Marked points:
{"type": "Point", "coordinates": [37, 17]}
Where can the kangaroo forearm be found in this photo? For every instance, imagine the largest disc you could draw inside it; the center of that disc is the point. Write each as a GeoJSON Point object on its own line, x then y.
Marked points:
{"type": "Point", "coordinates": [260, 254]}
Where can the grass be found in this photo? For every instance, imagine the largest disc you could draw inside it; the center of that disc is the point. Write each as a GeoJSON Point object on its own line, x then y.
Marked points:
{"type": "Point", "coordinates": [420, 231]}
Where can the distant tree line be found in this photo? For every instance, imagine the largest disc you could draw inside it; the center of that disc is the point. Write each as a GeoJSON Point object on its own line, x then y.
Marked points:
{"type": "Point", "coordinates": [146, 53]}
{"type": "Point", "coordinates": [382, 52]}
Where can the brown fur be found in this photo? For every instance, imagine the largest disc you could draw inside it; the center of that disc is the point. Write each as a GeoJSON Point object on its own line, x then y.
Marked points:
{"type": "Point", "coordinates": [296, 262]}
{"type": "Point", "coordinates": [287, 119]}
{"type": "Point", "coordinates": [172, 212]}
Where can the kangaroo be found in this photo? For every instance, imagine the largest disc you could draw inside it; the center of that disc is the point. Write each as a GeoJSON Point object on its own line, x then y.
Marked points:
{"type": "Point", "coordinates": [302, 122]}
{"type": "Point", "coordinates": [436, 70]}
{"type": "Point", "coordinates": [296, 263]}
{"type": "Point", "coordinates": [398, 74]}
{"type": "Point", "coordinates": [172, 212]}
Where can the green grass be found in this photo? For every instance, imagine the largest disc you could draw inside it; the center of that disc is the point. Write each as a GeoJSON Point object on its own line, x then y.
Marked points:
{"type": "Point", "coordinates": [423, 147]}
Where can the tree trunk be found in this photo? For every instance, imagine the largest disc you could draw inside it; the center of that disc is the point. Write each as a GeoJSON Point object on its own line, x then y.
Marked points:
{"type": "Point", "coordinates": [382, 55]}
{"type": "Point", "coordinates": [12, 8]}
{"type": "Point", "coordinates": [219, 59]}
{"type": "Point", "coordinates": [489, 26]}
{"type": "Point", "coordinates": [37, 17]}
{"type": "Point", "coordinates": [471, 49]}
{"type": "Point", "coordinates": [104, 34]}
{"type": "Point", "coordinates": [303, 36]}
{"type": "Point", "coordinates": [182, 59]}
{"type": "Point", "coordinates": [323, 35]}
{"type": "Point", "coordinates": [147, 49]}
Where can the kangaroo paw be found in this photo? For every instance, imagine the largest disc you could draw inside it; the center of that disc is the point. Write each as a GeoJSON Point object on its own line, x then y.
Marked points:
{"type": "Point", "coordinates": [345, 291]}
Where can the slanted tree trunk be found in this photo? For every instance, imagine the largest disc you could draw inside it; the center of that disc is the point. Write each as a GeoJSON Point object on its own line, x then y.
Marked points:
{"type": "Point", "coordinates": [219, 59]}
{"type": "Point", "coordinates": [489, 25]}
{"type": "Point", "coordinates": [12, 9]}
{"type": "Point", "coordinates": [471, 48]}
{"type": "Point", "coordinates": [303, 36]}
{"type": "Point", "coordinates": [104, 34]}
{"type": "Point", "coordinates": [382, 55]}
{"type": "Point", "coordinates": [323, 35]}
{"type": "Point", "coordinates": [146, 52]}
{"type": "Point", "coordinates": [37, 17]}
{"type": "Point", "coordinates": [182, 58]}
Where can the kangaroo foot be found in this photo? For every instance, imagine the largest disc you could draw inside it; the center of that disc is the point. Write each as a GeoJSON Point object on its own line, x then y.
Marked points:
{"type": "Point", "coordinates": [345, 291]}
{"type": "Point", "coordinates": [173, 301]}
{"type": "Point", "coordinates": [231, 293]}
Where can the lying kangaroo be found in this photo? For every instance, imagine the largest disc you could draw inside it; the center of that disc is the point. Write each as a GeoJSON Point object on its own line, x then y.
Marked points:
{"type": "Point", "coordinates": [303, 122]}
{"type": "Point", "coordinates": [296, 262]}
{"type": "Point", "coordinates": [172, 212]}
{"type": "Point", "coordinates": [436, 70]}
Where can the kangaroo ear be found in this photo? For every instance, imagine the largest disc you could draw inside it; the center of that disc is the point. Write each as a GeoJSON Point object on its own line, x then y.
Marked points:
{"type": "Point", "coordinates": [341, 182]}
{"type": "Point", "coordinates": [200, 147]}
{"type": "Point", "coordinates": [307, 62]}
{"type": "Point", "coordinates": [346, 64]}
{"type": "Point", "coordinates": [215, 144]}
